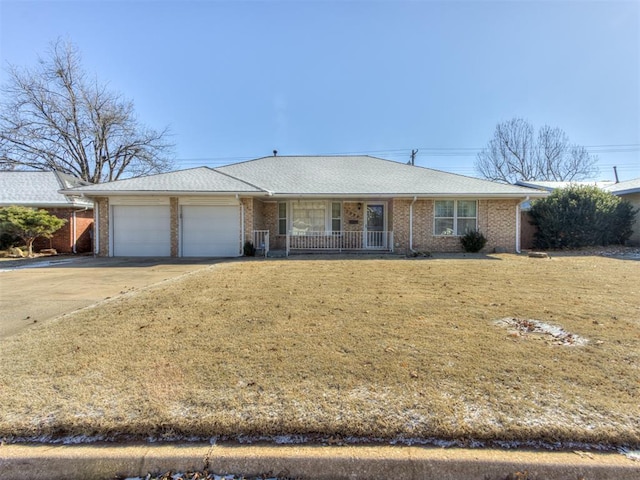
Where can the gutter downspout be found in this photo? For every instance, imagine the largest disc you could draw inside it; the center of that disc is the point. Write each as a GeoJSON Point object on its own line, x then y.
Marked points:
{"type": "Point", "coordinates": [75, 233]}
{"type": "Point", "coordinates": [96, 229]}
{"type": "Point", "coordinates": [518, 250]}
{"type": "Point", "coordinates": [415, 198]}
{"type": "Point", "coordinates": [242, 228]}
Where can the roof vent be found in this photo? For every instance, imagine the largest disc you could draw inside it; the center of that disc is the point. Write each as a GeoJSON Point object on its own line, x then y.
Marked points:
{"type": "Point", "coordinates": [275, 153]}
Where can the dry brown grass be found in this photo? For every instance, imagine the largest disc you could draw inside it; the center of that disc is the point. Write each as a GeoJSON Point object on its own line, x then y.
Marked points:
{"type": "Point", "coordinates": [382, 348]}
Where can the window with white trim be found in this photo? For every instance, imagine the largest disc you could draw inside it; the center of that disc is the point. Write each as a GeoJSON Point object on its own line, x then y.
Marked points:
{"type": "Point", "coordinates": [455, 217]}
{"type": "Point", "coordinates": [282, 218]}
{"type": "Point", "coordinates": [315, 216]}
{"type": "Point", "coordinates": [336, 217]}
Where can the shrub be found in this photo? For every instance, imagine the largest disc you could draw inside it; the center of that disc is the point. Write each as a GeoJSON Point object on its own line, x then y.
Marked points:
{"type": "Point", "coordinates": [473, 241]}
{"type": "Point", "coordinates": [29, 224]}
{"type": "Point", "coordinates": [249, 249]}
{"type": "Point", "coordinates": [7, 241]}
{"type": "Point", "coordinates": [581, 216]}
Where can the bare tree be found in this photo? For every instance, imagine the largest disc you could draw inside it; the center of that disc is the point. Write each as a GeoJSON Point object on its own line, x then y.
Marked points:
{"type": "Point", "coordinates": [53, 117]}
{"type": "Point", "coordinates": [515, 154]}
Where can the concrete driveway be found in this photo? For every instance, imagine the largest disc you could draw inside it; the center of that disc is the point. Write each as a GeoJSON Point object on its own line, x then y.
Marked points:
{"type": "Point", "coordinates": [36, 290]}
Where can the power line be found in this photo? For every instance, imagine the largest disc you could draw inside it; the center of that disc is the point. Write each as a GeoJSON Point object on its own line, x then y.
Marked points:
{"type": "Point", "coordinates": [425, 152]}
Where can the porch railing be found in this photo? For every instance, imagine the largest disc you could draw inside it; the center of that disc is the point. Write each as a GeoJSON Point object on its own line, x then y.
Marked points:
{"type": "Point", "coordinates": [261, 241]}
{"type": "Point", "coordinates": [340, 241]}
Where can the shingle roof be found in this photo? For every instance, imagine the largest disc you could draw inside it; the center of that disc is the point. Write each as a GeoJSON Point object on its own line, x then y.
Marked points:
{"type": "Point", "coordinates": [39, 189]}
{"type": "Point", "coordinates": [312, 176]}
{"type": "Point", "coordinates": [550, 186]}
{"type": "Point", "coordinates": [194, 180]}
{"type": "Point", "coordinates": [626, 187]}
{"type": "Point", "coordinates": [359, 175]}
{"type": "Point", "coordinates": [620, 188]}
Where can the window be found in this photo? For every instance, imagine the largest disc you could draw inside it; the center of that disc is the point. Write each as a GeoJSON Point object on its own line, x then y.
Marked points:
{"type": "Point", "coordinates": [282, 218]}
{"type": "Point", "coordinates": [455, 217]}
{"type": "Point", "coordinates": [306, 216]}
{"type": "Point", "coordinates": [336, 217]}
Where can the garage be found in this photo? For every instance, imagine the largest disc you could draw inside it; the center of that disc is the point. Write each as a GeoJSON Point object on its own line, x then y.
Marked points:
{"type": "Point", "coordinates": [210, 230]}
{"type": "Point", "coordinates": [141, 231]}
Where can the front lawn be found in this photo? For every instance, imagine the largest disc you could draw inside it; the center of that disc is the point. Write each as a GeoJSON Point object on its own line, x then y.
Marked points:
{"type": "Point", "coordinates": [382, 349]}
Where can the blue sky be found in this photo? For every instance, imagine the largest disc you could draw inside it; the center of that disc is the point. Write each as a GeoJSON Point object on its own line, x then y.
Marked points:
{"type": "Point", "coordinates": [235, 80]}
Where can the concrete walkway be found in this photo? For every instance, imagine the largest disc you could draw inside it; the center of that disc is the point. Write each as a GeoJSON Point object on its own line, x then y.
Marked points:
{"type": "Point", "coordinates": [50, 462]}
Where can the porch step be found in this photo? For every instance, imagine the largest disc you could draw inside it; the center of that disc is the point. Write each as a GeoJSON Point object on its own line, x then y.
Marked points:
{"type": "Point", "coordinates": [277, 254]}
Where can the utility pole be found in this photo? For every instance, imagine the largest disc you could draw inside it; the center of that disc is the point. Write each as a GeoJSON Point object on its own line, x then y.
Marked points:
{"type": "Point", "coordinates": [413, 157]}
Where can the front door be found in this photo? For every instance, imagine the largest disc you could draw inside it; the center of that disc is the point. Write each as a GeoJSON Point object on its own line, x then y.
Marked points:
{"type": "Point", "coordinates": [375, 235]}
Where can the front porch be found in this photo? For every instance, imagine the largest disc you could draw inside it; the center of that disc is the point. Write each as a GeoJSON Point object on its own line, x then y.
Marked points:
{"type": "Point", "coordinates": [391, 225]}
{"type": "Point", "coordinates": [338, 241]}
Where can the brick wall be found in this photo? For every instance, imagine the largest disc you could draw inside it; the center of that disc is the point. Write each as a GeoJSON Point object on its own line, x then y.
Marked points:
{"type": "Point", "coordinates": [269, 221]}
{"type": "Point", "coordinates": [496, 220]}
{"type": "Point", "coordinates": [270, 218]}
{"type": "Point", "coordinates": [248, 206]}
{"type": "Point", "coordinates": [500, 226]}
{"type": "Point", "coordinates": [258, 215]}
{"type": "Point", "coordinates": [174, 225]}
{"type": "Point", "coordinates": [353, 216]}
{"type": "Point", "coordinates": [423, 239]}
{"type": "Point", "coordinates": [400, 224]}
{"type": "Point", "coordinates": [102, 206]}
{"type": "Point", "coordinates": [63, 240]}
{"type": "Point", "coordinates": [84, 231]}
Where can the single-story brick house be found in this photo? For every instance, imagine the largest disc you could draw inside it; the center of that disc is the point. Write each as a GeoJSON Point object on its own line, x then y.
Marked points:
{"type": "Point", "coordinates": [302, 203]}
{"type": "Point", "coordinates": [628, 190]}
{"type": "Point", "coordinates": [41, 190]}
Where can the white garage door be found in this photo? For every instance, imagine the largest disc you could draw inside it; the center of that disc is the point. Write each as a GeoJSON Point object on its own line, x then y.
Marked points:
{"type": "Point", "coordinates": [141, 231]}
{"type": "Point", "coordinates": [210, 231]}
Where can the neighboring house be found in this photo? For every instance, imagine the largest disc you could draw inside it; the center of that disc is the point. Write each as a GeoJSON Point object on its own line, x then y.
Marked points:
{"type": "Point", "coordinates": [628, 190]}
{"type": "Point", "coordinates": [551, 186]}
{"type": "Point", "coordinates": [41, 190]}
{"type": "Point", "coordinates": [302, 203]}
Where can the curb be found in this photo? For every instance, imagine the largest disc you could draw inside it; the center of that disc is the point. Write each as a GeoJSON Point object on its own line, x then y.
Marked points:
{"type": "Point", "coordinates": [96, 462]}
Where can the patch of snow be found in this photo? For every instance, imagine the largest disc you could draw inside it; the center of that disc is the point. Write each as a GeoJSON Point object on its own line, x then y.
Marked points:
{"type": "Point", "coordinates": [632, 454]}
{"type": "Point", "coordinates": [46, 263]}
{"type": "Point", "coordinates": [198, 476]}
{"type": "Point", "coordinates": [629, 451]}
{"type": "Point", "coordinates": [521, 326]}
